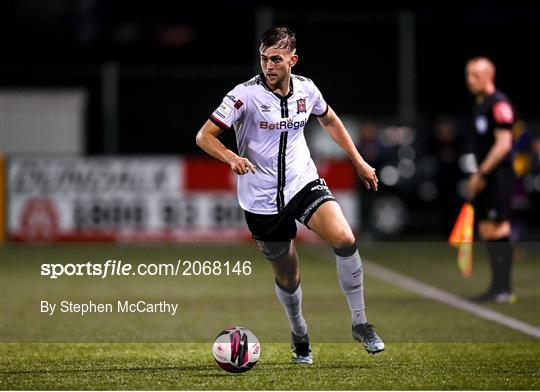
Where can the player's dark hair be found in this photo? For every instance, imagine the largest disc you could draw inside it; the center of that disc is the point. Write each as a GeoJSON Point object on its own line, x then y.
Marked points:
{"type": "Point", "coordinates": [280, 37]}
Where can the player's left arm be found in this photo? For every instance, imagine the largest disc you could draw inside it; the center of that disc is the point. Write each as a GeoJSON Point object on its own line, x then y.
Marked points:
{"type": "Point", "coordinates": [335, 128]}
{"type": "Point", "coordinates": [496, 154]}
{"type": "Point", "coordinates": [498, 151]}
{"type": "Point", "coordinates": [504, 117]}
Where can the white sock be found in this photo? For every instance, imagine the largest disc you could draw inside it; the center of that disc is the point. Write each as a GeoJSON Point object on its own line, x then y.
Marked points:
{"type": "Point", "coordinates": [292, 303]}
{"type": "Point", "coordinates": [351, 278]}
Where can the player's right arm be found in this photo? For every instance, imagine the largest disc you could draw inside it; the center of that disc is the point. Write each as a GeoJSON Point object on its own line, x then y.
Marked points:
{"type": "Point", "coordinates": [207, 139]}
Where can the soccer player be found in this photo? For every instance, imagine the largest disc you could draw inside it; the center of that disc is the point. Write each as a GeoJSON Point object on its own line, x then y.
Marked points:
{"type": "Point", "coordinates": [490, 187]}
{"type": "Point", "coordinates": [279, 184]}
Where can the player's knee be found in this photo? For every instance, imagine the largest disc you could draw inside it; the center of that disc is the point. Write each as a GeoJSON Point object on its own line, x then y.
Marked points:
{"type": "Point", "coordinates": [343, 239]}
{"type": "Point", "coordinates": [274, 250]}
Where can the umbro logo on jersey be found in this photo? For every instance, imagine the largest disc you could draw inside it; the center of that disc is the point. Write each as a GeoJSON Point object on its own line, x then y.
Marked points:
{"type": "Point", "coordinates": [265, 108]}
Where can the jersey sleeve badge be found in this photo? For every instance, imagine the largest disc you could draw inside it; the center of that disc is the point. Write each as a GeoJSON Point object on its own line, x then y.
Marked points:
{"type": "Point", "coordinates": [503, 113]}
{"type": "Point", "coordinates": [223, 111]}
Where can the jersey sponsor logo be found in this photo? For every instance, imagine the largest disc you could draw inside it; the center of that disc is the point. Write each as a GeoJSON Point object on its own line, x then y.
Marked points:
{"type": "Point", "coordinates": [481, 123]}
{"type": "Point", "coordinates": [503, 113]}
{"type": "Point", "coordinates": [265, 108]}
{"type": "Point", "coordinates": [300, 105]}
{"type": "Point", "coordinates": [223, 110]}
{"type": "Point", "coordinates": [294, 125]}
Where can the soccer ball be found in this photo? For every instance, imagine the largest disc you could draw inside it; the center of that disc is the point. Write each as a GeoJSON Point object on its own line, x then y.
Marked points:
{"type": "Point", "coordinates": [236, 349]}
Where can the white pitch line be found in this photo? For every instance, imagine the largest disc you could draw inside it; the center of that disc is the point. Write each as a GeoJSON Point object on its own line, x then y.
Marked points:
{"type": "Point", "coordinates": [397, 279]}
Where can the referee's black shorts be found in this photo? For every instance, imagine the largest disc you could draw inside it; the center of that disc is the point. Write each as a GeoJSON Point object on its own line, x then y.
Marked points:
{"type": "Point", "coordinates": [281, 227]}
{"type": "Point", "coordinates": [494, 202]}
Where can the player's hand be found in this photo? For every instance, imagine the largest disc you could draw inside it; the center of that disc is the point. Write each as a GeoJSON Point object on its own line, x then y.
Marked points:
{"type": "Point", "coordinates": [241, 166]}
{"type": "Point", "coordinates": [368, 176]}
{"type": "Point", "coordinates": [475, 184]}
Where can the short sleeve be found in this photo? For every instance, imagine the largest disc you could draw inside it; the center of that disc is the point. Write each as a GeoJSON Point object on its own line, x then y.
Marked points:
{"type": "Point", "coordinates": [230, 110]}
{"type": "Point", "coordinates": [320, 107]}
{"type": "Point", "coordinates": [503, 115]}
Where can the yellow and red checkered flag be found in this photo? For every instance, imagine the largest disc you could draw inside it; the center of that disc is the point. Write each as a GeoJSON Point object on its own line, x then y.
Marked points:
{"type": "Point", "coordinates": [462, 237]}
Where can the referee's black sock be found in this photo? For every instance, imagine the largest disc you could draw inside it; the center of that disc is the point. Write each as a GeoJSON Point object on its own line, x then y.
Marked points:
{"type": "Point", "coordinates": [500, 255]}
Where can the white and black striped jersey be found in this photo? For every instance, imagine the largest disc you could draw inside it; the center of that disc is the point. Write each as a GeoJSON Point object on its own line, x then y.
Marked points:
{"type": "Point", "coordinates": [270, 133]}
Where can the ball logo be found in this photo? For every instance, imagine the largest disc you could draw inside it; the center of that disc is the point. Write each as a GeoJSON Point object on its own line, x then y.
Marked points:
{"type": "Point", "coordinates": [239, 345]}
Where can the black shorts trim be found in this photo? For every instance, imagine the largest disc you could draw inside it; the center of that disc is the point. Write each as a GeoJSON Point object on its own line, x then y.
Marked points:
{"type": "Point", "coordinates": [306, 216]}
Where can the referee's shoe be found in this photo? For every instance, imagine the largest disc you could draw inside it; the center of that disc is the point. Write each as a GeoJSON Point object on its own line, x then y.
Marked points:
{"type": "Point", "coordinates": [365, 334]}
{"type": "Point", "coordinates": [501, 297]}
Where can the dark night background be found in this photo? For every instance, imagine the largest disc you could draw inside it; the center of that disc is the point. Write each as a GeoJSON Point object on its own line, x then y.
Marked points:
{"type": "Point", "coordinates": [173, 63]}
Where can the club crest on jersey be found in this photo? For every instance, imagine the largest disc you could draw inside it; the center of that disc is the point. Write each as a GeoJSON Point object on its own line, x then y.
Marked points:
{"type": "Point", "coordinates": [301, 105]}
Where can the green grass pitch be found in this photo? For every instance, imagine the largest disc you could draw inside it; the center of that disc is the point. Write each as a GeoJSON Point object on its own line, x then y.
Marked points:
{"type": "Point", "coordinates": [338, 366]}
{"type": "Point", "coordinates": [429, 345]}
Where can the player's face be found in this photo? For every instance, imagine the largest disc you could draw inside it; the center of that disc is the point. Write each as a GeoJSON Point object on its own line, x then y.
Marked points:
{"type": "Point", "coordinates": [477, 79]}
{"type": "Point", "coordinates": [276, 65]}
